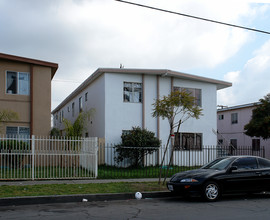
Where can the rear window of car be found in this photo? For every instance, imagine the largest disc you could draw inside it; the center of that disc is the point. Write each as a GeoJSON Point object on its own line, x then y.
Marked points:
{"type": "Point", "coordinates": [246, 163]}
{"type": "Point", "coordinates": [263, 163]}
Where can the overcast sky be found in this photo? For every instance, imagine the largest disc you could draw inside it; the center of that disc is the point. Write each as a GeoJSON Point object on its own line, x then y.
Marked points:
{"type": "Point", "coordinates": [83, 35]}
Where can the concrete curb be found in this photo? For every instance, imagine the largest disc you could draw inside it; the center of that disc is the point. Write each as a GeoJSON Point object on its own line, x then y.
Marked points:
{"type": "Point", "coordinates": [77, 198]}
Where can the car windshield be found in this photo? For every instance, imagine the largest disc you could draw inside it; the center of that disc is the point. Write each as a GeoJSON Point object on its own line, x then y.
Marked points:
{"type": "Point", "coordinates": [219, 164]}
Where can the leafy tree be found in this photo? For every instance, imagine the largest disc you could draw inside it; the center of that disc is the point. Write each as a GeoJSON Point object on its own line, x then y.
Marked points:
{"type": "Point", "coordinates": [135, 145]}
{"type": "Point", "coordinates": [7, 115]}
{"type": "Point", "coordinates": [177, 108]}
{"type": "Point", "coordinates": [78, 127]}
{"type": "Point", "coordinates": [55, 132]}
{"type": "Point", "coordinates": [259, 125]}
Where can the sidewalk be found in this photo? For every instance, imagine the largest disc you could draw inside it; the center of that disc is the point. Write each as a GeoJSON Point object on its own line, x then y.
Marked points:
{"type": "Point", "coordinates": [30, 200]}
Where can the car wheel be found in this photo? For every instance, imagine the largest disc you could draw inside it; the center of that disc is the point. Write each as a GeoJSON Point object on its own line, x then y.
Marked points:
{"type": "Point", "coordinates": [211, 191]}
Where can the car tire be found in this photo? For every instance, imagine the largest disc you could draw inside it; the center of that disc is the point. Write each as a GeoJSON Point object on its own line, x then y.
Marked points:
{"type": "Point", "coordinates": [211, 191]}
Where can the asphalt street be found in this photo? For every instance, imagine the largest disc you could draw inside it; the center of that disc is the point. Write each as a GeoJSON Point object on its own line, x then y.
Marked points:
{"type": "Point", "coordinates": [230, 207]}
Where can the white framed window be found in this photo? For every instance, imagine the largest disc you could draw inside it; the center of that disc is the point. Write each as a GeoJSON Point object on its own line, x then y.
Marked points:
{"type": "Point", "coordinates": [196, 93]}
{"type": "Point", "coordinates": [17, 131]}
{"type": "Point", "coordinates": [233, 143]}
{"type": "Point", "coordinates": [86, 96]}
{"type": "Point", "coordinates": [220, 141]}
{"type": "Point", "coordinates": [61, 116]}
{"type": "Point", "coordinates": [17, 83]}
{"type": "Point", "coordinates": [125, 132]}
{"type": "Point", "coordinates": [188, 141]}
{"type": "Point", "coordinates": [256, 144]}
{"type": "Point", "coordinates": [234, 118]}
{"type": "Point", "coordinates": [80, 104]}
{"type": "Point", "coordinates": [72, 108]}
{"type": "Point", "coordinates": [132, 92]}
{"type": "Point", "coordinates": [220, 117]}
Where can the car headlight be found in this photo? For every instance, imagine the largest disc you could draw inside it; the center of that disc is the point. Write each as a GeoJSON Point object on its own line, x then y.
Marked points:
{"type": "Point", "coordinates": [189, 180]}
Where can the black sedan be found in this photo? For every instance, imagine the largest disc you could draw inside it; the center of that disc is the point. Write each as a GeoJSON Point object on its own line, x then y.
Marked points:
{"type": "Point", "coordinates": [235, 174]}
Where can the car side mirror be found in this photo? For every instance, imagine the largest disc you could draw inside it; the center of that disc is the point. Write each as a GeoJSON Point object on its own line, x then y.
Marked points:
{"type": "Point", "coordinates": [233, 168]}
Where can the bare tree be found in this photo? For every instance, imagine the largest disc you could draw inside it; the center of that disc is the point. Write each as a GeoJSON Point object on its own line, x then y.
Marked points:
{"type": "Point", "coordinates": [177, 107]}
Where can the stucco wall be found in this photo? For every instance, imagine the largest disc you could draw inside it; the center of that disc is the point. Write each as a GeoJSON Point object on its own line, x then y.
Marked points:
{"type": "Point", "coordinates": [120, 115]}
{"type": "Point", "coordinates": [230, 131]}
{"type": "Point", "coordinates": [41, 100]}
{"type": "Point", "coordinates": [22, 103]}
{"type": "Point", "coordinates": [207, 122]}
{"type": "Point", "coordinates": [14, 102]}
{"type": "Point", "coordinates": [96, 101]}
{"type": "Point", "coordinates": [113, 115]}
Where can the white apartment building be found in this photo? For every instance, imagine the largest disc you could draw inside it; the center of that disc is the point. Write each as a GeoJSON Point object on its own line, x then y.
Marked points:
{"type": "Point", "coordinates": [123, 98]}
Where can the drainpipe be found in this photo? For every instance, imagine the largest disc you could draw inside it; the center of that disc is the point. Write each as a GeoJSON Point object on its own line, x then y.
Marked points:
{"type": "Point", "coordinates": [143, 102]}
{"type": "Point", "coordinates": [31, 99]}
{"type": "Point", "coordinates": [158, 119]}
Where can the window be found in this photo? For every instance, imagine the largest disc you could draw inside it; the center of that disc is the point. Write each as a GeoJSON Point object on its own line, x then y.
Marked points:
{"type": "Point", "coordinates": [80, 104]}
{"type": "Point", "coordinates": [125, 132]}
{"type": "Point", "coordinates": [233, 146]}
{"type": "Point", "coordinates": [220, 117]}
{"type": "Point", "coordinates": [256, 144]}
{"type": "Point", "coordinates": [220, 141]}
{"type": "Point", "coordinates": [17, 83]}
{"type": "Point", "coordinates": [264, 163]}
{"type": "Point", "coordinates": [132, 92]}
{"type": "Point", "coordinates": [86, 96]}
{"type": "Point", "coordinates": [233, 143]}
{"type": "Point", "coordinates": [14, 131]}
{"type": "Point", "coordinates": [72, 108]}
{"type": "Point", "coordinates": [196, 93]}
{"type": "Point", "coordinates": [68, 109]}
{"type": "Point", "coordinates": [62, 116]}
{"type": "Point", "coordinates": [246, 163]}
{"type": "Point", "coordinates": [234, 118]}
{"type": "Point", "coordinates": [188, 141]}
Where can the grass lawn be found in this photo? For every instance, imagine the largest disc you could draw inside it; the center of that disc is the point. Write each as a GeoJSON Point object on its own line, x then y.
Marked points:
{"type": "Point", "coordinates": [69, 189]}
{"type": "Point", "coordinates": [112, 172]}
{"type": "Point", "coordinates": [104, 172]}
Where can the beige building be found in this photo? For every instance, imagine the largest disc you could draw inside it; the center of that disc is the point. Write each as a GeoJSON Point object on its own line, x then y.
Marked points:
{"type": "Point", "coordinates": [25, 88]}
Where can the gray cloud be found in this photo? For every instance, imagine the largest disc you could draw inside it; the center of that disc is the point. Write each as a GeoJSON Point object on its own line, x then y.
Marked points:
{"type": "Point", "coordinates": [82, 35]}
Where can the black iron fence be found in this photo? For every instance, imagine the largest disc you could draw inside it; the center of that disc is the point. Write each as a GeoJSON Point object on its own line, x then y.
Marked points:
{"type": "Point", "coordinates": [161, 161]}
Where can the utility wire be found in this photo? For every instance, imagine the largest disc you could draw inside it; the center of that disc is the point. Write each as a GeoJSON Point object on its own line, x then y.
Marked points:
{"type": "Point", "coordinates": [195, 17]}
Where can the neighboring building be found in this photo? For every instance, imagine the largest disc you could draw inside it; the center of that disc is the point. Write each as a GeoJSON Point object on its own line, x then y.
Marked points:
{"type": "Point", "coordinates": [231, 122]}
{"type": "Point", "coordinates": [25, 88]}
{"type": "Point", "coordinates": [123, 98]}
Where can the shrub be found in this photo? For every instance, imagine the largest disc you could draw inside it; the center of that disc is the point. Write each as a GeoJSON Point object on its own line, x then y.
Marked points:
{"type": "Point", "coordinates": [135, 145]}
{"type": "Point", "coordinates": [13, 150]}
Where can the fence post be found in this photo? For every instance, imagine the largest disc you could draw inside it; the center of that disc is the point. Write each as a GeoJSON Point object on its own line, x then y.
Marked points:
{"type": "Point", "coordinates": [96, 147]}
{"type": "Point", "coordinates": [33, 157]}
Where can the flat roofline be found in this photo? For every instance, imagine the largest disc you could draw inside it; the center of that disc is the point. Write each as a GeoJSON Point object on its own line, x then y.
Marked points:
{"type": "Point", "coordinates": [53, 66]}
{"type": "Point", "coordinates": [166, 72]}
{"type": "Point", "coordinates": [162, 72]}
{"type": "Point", "coordinates": [238, 107]}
